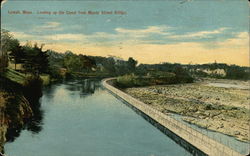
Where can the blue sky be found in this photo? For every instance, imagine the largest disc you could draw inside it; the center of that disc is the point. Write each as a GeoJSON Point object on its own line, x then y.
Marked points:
{"type": "Point", "coordinates": [184, 31]}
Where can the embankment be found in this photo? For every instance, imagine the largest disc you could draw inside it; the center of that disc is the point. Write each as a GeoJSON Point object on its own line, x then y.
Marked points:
{"type": "Point", "coordinates": [194, 141]}
{"type": "Point", "coordinates": [17, 104]}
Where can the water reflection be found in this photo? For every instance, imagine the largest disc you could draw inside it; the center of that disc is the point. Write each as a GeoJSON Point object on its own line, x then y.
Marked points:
{"type": "Point", "coordinates": [84, 87]}
{"type": "Point", "coordinates": [20, 120]}
{"type": "Point", "coordinates": [34, 123]}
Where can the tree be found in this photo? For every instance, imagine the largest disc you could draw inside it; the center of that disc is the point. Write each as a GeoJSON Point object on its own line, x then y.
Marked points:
{"type": "Point", "coordinates": [72, 62]}
{"type": "Point", "coordinates": [109, 65]}
{"type": "Point", "coordinates": [36, 60]}
{"type": "Point", "coordinates": [16, 54]}
{"type": "Point", "coordinates": [87, 63]}
{"type": "Point", "coordinates": [131, 64]}
{"type": "Point", "coordinates": [6, 38]}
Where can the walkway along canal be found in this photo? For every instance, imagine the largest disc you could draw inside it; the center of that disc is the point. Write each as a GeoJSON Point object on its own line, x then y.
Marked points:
{"type": "Point", "coordinates": [81, 118]}
{"type": "Point", "coordinates": [191, 139]}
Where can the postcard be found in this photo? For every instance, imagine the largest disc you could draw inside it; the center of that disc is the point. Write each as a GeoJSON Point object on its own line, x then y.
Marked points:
{"type": "Point", "coordinates": [124, 78]}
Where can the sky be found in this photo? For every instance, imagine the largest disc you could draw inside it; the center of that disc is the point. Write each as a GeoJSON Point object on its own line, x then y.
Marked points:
{"type": "Point", "coordinates": [151, 31]}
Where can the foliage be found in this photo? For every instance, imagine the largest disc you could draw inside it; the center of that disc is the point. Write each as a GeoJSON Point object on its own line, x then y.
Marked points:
{"type": "Point", "coordinates": [91, 65]}
{"type": "Point", "coordinates": [198, 70]}
{"type": "Point", "coordinates": [87, 63]}
{"type": "Point", "coordinates": [55, 73]}
{"type": "Point", "coordinates": [16, 54]}
{"type": "Point", "coordinates": [33, 87]}
{"type": "Point", "coordinates": [6, 39]}
{"type": "Point", "coordinates": [236, 72]}
{"type": "Point", "coordinates": [72, 62]}
{"type": "Point", "coordinates": [131, 64]}
{"type": "Point", "coordinates": [130, 81]}
{"type": "Point", "coordinates": [109, 66]}
{"type": "Point", "coordinates": [153, 78]}
{"type": "Point", "coordinates": [182, 75]}
{"type": "Point", "coordinates": [36, 60]}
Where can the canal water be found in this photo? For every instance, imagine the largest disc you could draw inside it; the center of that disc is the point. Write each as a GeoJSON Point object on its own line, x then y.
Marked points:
{"type": "Point", "coordinates": [80, 118]}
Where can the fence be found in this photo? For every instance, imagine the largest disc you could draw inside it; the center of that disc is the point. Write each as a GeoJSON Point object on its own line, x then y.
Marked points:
{"type": "Point", "coordinates": [192, 136]}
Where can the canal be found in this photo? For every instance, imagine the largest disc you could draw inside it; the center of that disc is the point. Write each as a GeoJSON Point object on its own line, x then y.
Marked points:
{"type": "Point", "coordinates": [79, 118]}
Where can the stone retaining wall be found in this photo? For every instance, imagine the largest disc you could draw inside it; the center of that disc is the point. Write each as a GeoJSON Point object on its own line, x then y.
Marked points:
{"type": "Point", "coordinates": [192, 140]}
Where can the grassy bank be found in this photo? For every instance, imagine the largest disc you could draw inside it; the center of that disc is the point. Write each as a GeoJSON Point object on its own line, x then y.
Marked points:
{"type": "Point", "coordinates": [20, 78]}
{"type": "Point", "coordinates": [14, 76]}
{"type": "Point", "coordinates": [19, 101]}
{"type": "Point", "coordinates": [14, 107]}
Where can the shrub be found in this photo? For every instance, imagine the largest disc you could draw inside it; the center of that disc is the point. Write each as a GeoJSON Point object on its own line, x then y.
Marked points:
{"type": "Point", "coordinates": [126, 81]}
{"type": "Point", "coordinates": [33, 88]}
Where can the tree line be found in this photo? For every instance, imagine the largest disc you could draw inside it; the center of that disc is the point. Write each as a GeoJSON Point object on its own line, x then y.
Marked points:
{"type": "Point", "coordinates": [35, 60]}
{"type": "Point", "coordinates": [79, 63]}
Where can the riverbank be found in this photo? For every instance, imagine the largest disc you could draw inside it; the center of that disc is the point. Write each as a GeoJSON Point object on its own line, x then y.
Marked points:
{"type": "Point", "coordinates": [222, 109]}
{"type": "Point", "coordinates": [15, 109]}
{"type": "Point", "coordinates": [19, 95]}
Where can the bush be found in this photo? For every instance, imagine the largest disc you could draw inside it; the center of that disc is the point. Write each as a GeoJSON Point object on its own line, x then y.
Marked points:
{"type": "Point", "coordinates": [55, 73]}
{"type": "Point", "coordinates": [182, 75]}
{"type": "Point", "coordinates": [33, 88]}
{"type": "Point", "coordinates": [126, 81]}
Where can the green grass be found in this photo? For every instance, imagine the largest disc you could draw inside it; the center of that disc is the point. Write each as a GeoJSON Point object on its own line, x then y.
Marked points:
{"type": "Point", "coordinates": [14, 76]}
{"type": "Point", "coordinates": [21, 78]}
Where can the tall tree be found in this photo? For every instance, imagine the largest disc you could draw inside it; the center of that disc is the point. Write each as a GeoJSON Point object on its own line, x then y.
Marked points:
{"type": "Point", "coordinates": [109, 65]}
{"type": "Point", "coordinates": [87, 63]}
{"type": "Point", "coordinates": [131, 64]}
{"type": "Point", "coordinates": [36, 60]}
{"type": "Point", "coordinates": [6, 39]}
{"type": "Point", "coordinates": [72, 62]}
{"type": "Point", "coordinates": [16, 54]}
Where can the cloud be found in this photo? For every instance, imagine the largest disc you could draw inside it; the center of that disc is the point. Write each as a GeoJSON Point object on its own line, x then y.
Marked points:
{"type": "Point", "coordinates": [241, 39]}
{"type": "Point", "coordinates": [108, 20]}
{"type": "Point", "coordinates": [121, 35]}
{"type": "Point", "coordinates": [198, 35]}
{"type": "Point", "coordinates": [149, 30]}
{"type": "Point", "coordinates": [22, 35]}
{"type": "Point", "coordinates": [48, 26]}
{"type": "Point", "coordinates": [49, 38]}
{"type": "Point", "coordinates": [57, 37]}
{"type": "Point", "coordinates": [128, 36]}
